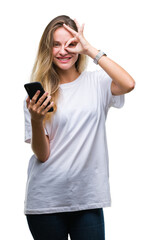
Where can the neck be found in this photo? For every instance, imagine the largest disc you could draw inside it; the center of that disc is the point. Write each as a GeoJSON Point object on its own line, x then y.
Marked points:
{"type": "Point", "coordinates": [67, 76]}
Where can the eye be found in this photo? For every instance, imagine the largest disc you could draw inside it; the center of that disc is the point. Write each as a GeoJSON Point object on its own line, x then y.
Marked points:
{"type": "Point", "coordinates": [72, 44]}
{"type": "Point", "coordinates": [56, 44]}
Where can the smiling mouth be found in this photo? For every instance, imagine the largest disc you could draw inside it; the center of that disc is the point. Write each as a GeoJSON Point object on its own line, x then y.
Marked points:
{"type": "Point", "coordinates": [64, 58]}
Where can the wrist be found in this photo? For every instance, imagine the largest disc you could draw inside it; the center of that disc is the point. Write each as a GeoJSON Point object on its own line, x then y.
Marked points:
{"type": "Point", "coordinates": [36, 123]}
{"type": "Point", "coordinates": [92, 52]}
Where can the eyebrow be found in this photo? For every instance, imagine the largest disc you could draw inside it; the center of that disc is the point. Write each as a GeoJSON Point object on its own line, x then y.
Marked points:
{"type": "Point", "coordinates": [59, 41]}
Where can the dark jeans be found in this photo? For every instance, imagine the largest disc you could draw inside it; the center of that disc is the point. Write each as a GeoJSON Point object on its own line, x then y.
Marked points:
{"type": "Point", "coordinates": [80, 225]}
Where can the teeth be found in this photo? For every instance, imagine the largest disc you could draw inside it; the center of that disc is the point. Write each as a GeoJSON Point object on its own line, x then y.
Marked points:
{"type": "Point", "coordinates": [64, 58]}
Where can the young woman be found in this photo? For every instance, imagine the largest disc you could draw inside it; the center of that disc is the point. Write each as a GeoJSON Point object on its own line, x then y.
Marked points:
{"type": "Point", "coordinates": [68, 175]}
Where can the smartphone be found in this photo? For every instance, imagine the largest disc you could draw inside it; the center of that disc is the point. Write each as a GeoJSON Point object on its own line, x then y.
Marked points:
{"type": "Point", "coordinates": [32, 88]}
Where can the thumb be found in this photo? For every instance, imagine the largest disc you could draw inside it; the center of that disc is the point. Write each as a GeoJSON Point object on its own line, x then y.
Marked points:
{"type": "Point", "coordinates": [72, 41]}
{"type": "Point", "coordinates": [71, 50]}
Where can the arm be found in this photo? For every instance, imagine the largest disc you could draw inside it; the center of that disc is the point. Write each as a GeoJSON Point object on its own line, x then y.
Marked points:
{"type": "Point", "coordinates": [40, 142]}
{"type": "Point", "coordinates": [122, 82]}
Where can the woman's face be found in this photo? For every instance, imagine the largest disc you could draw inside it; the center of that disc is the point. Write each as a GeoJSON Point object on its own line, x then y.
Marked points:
{"type": "Point", "coordinates": [62, 58]}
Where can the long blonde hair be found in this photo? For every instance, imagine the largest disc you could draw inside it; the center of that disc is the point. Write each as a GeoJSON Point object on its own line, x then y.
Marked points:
{"type": "Point", "coordinates": [43, 69]}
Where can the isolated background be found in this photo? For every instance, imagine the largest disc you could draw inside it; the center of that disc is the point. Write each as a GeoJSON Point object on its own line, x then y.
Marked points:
{"type": "Point", "coordinates": [128, 32]}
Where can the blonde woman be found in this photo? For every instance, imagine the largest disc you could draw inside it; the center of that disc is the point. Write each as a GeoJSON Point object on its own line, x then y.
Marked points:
{"type": "Point", "coordinates": [68, 175]}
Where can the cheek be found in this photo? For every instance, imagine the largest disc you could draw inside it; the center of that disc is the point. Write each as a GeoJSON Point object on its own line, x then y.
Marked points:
{"type": "Point", "coordinates": [54, 51]}
{"type": "Point", "coordinates": [76, 57]}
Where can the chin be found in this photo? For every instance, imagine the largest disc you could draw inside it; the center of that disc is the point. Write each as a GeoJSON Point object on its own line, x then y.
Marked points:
{"type": "Point", "coordinates": [64, 66]}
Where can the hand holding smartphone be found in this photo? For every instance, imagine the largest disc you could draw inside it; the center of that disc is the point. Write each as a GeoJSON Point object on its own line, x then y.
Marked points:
{"type": "Point", "coordinates": [32, 88]}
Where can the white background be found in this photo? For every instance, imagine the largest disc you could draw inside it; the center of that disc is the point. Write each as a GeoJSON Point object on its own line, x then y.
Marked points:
{"type": "Point", "coordinates": [128, 32]}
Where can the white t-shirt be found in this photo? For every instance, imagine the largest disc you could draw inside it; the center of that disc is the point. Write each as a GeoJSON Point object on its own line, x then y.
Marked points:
{"type": "Point", "coordinates": [76, 175]}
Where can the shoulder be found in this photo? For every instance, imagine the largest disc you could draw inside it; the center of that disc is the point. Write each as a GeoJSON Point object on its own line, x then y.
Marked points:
{"type": "Point", "coordinates": [89, 78]}
{"type": "Point", "coordinates": [96, 73]}
{"type": "Point", "coordinates": [92, 74]}
{"type": "Point", "coordinates": [98, 78]}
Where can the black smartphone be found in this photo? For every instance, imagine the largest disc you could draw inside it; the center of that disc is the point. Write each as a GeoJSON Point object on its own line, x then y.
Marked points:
{"type": "Point", "coordinates": [32, 88]}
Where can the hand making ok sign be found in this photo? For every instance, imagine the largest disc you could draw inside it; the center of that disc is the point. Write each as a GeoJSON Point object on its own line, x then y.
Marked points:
{"type": "Point", "coordinates": [81, 45]}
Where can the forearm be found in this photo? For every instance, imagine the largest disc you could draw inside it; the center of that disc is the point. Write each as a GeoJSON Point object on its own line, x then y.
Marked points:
{"type": "Point", "coordinates": [122, 82]}
{"type": "Point", "coordinates": [121, 78]}
{"type": "Point", "coordinates": [40, 142]}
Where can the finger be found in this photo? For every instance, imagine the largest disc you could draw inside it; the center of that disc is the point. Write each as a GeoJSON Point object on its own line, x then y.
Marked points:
{"type": "Point", "coordinates": [82, 28]}
{"type": "Point", "coordinates": [74, 33]}
{"type": "Point", "coordinates": [41, 100]}
{"type": "Point", "coordinates": [44, 104]}
{"type": "Point", "coordinates": [34, 98]}
{"type": "Point", "coordinates": [70, 41]}
{"type": "Point", "coordinates": [77, 24]}
{"type": "Point", "coordinates": [71, 49]}
{"type": "Point", "coordinates": [48, 108]}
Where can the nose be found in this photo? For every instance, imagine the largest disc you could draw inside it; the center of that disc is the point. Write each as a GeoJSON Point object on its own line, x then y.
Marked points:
{"type": "Point", "coordinates": [62, 50]}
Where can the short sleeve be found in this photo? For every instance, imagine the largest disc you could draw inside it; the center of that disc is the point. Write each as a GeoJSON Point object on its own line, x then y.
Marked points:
{"type": "Point", "coordinates": [27, 124]}
{"type": "Point", "coordinates": [108, 99]}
